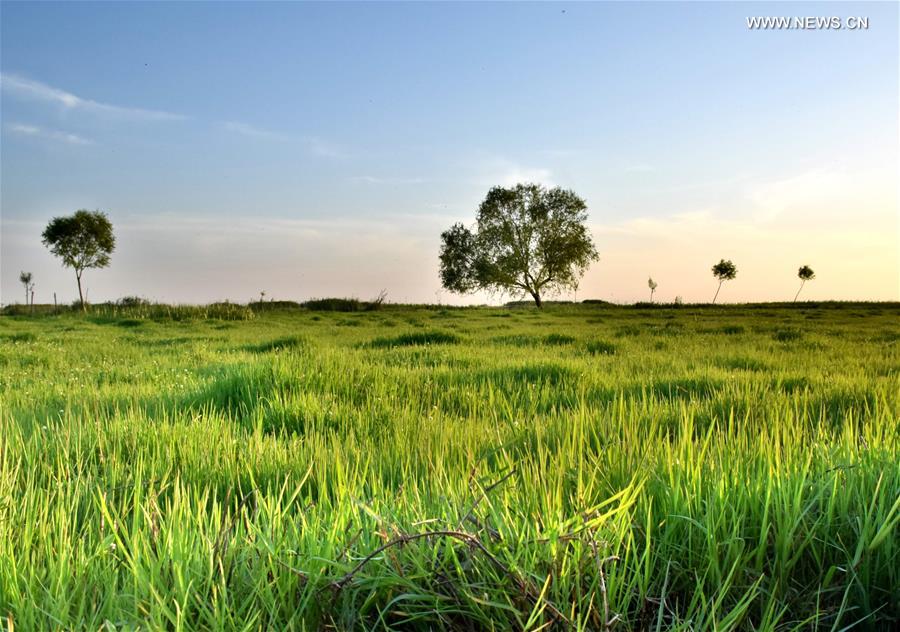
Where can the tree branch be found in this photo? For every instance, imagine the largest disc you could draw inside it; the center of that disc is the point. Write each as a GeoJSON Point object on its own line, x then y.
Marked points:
{"type": "Point", "coordinates": [466, 538]}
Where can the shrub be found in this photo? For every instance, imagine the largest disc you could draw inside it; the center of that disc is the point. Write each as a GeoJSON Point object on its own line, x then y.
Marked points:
{"type": "Point", "coordinates": [260, 306]}
{"type": "Point", "coordinates": [161, 311]}
{"type": "Point", "coordinates": [376, 303]}
{"type": "Point", "coordinates": [132, 301]}
{"type": "Point", "coordinates": [333, 305]}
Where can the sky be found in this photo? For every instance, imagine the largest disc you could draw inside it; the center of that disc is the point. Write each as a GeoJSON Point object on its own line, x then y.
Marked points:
{"type": "Point", "coordinates": [311, 150]}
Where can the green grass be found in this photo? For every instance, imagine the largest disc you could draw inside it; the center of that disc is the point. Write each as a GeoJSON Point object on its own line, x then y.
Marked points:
{"type": "Point", "coordinates": [584, 467]}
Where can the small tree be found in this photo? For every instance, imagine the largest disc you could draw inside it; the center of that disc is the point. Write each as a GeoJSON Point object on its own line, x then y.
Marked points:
{"type": "Point", "coordinates": [652, 285]}
{"type": "Point", "coordinates": [25, 279]}
{"type": "Point", "coordinates": [527, 240]}
{"type": "Point", "coordinates": [724, 271]}
{"type": "Point", "coordinates": [806, 274]}
{"type": "Point", "coordinates": [83, 240]}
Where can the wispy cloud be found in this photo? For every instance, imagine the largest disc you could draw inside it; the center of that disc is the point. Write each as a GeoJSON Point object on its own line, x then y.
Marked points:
{"type": "Point", "coordinates": [30, 89]}
{"type": "Point", "coordinates": [314, 145]}
{"type": "Point", "coordinates": [324, 148]}
{"type": "Point", "coordinates": [508, 173]}
{"type": "Point", "coordinates": [825, 190]}
{"type": "Point", "coordinates": [388, 180]}
{"type": "Point", "coordinates": [49, 134]}
{"type": "Point", "coordinates": [250, 131]}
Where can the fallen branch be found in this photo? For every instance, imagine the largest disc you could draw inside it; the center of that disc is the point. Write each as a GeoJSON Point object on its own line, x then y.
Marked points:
{"type": "Point", "coordinates": [466, 538]}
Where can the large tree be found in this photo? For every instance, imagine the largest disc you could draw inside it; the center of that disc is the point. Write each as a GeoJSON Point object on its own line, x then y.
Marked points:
{"type": "Point", "coordinates": [526, 240]}
{"type": "Point", "coordinates": [83, 240]}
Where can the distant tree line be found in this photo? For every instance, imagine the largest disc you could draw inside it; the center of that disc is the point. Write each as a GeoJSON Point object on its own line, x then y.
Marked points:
{"type": "Point", "coordinates": [527, 241]}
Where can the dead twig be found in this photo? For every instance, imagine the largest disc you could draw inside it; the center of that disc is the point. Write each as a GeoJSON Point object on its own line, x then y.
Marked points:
{"type": "Point", "coordinates": [487, 490]}
{"type": "Point", "coordinates": [349, 544]}
{"type": "Point", "coordinates": [303, 575]}
{"type": "Point", "coordinates": [607, 622]}
{"type": "Point", "coordinates": [466, 538]}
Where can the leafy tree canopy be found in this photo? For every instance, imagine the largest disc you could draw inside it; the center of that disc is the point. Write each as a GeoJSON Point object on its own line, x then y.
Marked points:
{"type": "Point", "coordinates": [724, 270]}
{"type": "Point", "coordinates": [806, 273]}
{"type": "Point", "coordinates": [83, 240]}
{"type": "Point", "coordinates": [527, 240]}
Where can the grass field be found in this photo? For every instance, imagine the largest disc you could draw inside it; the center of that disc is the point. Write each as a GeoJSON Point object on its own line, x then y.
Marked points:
{"type": "Point", "coordinates": [581, 467]}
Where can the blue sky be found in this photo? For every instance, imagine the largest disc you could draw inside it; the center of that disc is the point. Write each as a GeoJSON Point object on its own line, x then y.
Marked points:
{"type": "Point", "coordinates": [319, 149]}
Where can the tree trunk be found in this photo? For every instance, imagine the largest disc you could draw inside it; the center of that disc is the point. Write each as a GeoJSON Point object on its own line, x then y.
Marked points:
{"type": "Point", "coordinates": [798, 291]}
{"type": "Point", "coordinates": [80, 295]}
{"type": "Point", "coordinates": [717, 292]}
{"type": "Point", "coordinates": [537, 298]}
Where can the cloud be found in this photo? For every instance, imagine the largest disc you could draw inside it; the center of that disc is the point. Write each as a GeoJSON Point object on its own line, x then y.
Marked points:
{"type": "Point", "coordinates": [389, 180]}
{"type": "Point", "coordinates": [315, 146]}
{"type": "Point", "coordinates": [817, 192]}
{"type": "Point", "coordinates": [252, 132]}
{"type": "Point", "coordinates": [30, 89]}
{"type": "Point", "coordinates": [324, 148]}
{"type": "Point", "coordinates": [500, 171]}
{"type": "Point", "coordinates": [841, 223]}
{"type": "Point", "coordinates": [49, 134]}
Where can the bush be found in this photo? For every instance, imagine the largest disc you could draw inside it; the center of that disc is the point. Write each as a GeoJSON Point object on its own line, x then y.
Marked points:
{"type": "Point", "coordinates": [530, 303]}
{"type": "Point", "coordinates": [227, 311]}
{"type": "Point", "coordinates": [345, 304]}
{"type": "Point", "coordinates": [333, 305]}
{"type": "Point", "coordinates": [161, 311]}
{"type": "Point", "coordinates": [266, 306]}
{"type": "Point", "coordinates": [132, 301]}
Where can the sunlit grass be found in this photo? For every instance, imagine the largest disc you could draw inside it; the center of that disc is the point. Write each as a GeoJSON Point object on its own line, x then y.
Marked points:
{"type": "Point", "coordinates": [718, 468]}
